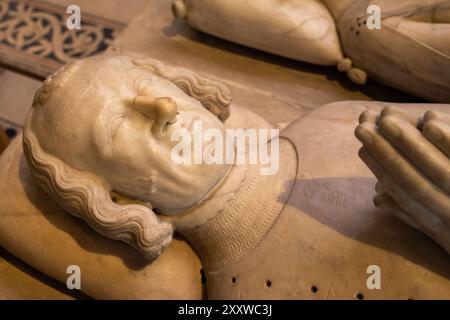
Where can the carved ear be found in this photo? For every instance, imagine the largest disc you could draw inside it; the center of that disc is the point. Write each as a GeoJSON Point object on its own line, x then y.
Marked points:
{"type": "Point", "coordinates": [86, 197]}
{"type": "Point", "coordinates": [212, 94]}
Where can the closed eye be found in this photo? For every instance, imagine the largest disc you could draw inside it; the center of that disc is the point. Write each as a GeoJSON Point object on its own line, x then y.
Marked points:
{"type": "Point", "coordinates": [116, 123]}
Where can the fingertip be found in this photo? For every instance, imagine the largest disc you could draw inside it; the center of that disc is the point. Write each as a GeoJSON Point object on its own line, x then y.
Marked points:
{"type": "Point", "coordinates": [379, 187]}
{"type": "Point", "coordinates": [401, 114]}
{"type": "Point", "coordinates": [430, 115]}
{"type": "Point", "coordinates": [390, 110]}
{"type": "Point", "coordinates": [179, 9]}
{"type": "Point", "coordinates": [387, 120]}
{"type": "Point", "coordinates": [364, 134]}
{"type": "Point", "coordinates": [381, 199]}
{"type": "Point", "coordinates": [368, 116]}
{"type": "Point", "coordinates": [390, 125]}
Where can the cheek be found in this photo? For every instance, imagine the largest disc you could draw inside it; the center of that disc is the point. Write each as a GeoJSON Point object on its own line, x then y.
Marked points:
{"type": "Point", "coordinates": [133, 169]}
{"type": "Point", "coordinates": [211, 121]}
{"type": "Point", "coordinates": [131, 150]}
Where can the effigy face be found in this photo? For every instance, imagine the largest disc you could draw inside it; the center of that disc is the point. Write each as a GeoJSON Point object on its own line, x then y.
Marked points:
{"type": "Point", "coordinates": [120, 117]}
{"type": "Point", "coordinates": [104, 125]}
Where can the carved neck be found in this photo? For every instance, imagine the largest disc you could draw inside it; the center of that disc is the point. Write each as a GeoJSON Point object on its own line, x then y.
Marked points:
{"type": "Point", "coordinates": [239, 214]}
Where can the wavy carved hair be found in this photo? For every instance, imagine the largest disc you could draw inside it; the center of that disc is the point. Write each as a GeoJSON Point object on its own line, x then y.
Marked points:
{"type": "Point", "coordinates": [84, 195]}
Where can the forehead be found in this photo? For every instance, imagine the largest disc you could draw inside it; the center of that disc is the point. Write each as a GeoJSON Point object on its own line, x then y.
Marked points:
{"type": "Point", "coordinates": [124, 78]}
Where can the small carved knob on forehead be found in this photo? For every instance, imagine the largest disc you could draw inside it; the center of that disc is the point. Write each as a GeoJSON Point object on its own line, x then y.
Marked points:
{"type": "Point", "coordinates": [162, 110]}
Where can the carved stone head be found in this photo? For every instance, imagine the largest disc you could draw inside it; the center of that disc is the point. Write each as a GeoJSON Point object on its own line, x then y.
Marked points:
{"type": "Point", "coordinates": [104, 125]}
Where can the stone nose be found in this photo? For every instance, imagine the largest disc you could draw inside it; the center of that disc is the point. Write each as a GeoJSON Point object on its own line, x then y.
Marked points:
{"type": "Point", "coordinates": [179, 9]}
{"type": "Point", "coordinates": [162, 110]}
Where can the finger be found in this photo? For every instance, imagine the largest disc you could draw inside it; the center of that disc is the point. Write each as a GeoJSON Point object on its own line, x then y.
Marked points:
{"type": "Point", "coordinates": [368, 116]}
{"type": "Point", "coordinates": [438, 132]}
{"type": "Point", "coordinates": [416, 148]}
{"type": "Point", "coordinates": [406, 175]}
{"type": "Point", "coordinates": [379, 188]}
{"type": "Point", "coordinates": [436, 115]}
{"type": "Point", "coordinates": [401, 113]}
{"type": "Point", "coordinates": [386, 202]}
{"type": "Point", "coordinates": [428, 222]}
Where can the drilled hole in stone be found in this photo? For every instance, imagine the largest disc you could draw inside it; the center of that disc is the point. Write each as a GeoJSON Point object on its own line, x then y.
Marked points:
{"type": "Point", "coordinates": [357, 33]}
{"type": "Point", "coordinates": [351, 29]}
{"type": "Point", "coordinates": [314, 289]}
{"type": "Point", "coordinates": [268, 283]}
{"type": "Point", "coordinates": [233, 280]}
{"type": "Point", "coordinates": [359, 24]}
{"type": "Point", "coordinates": [359, 296]}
